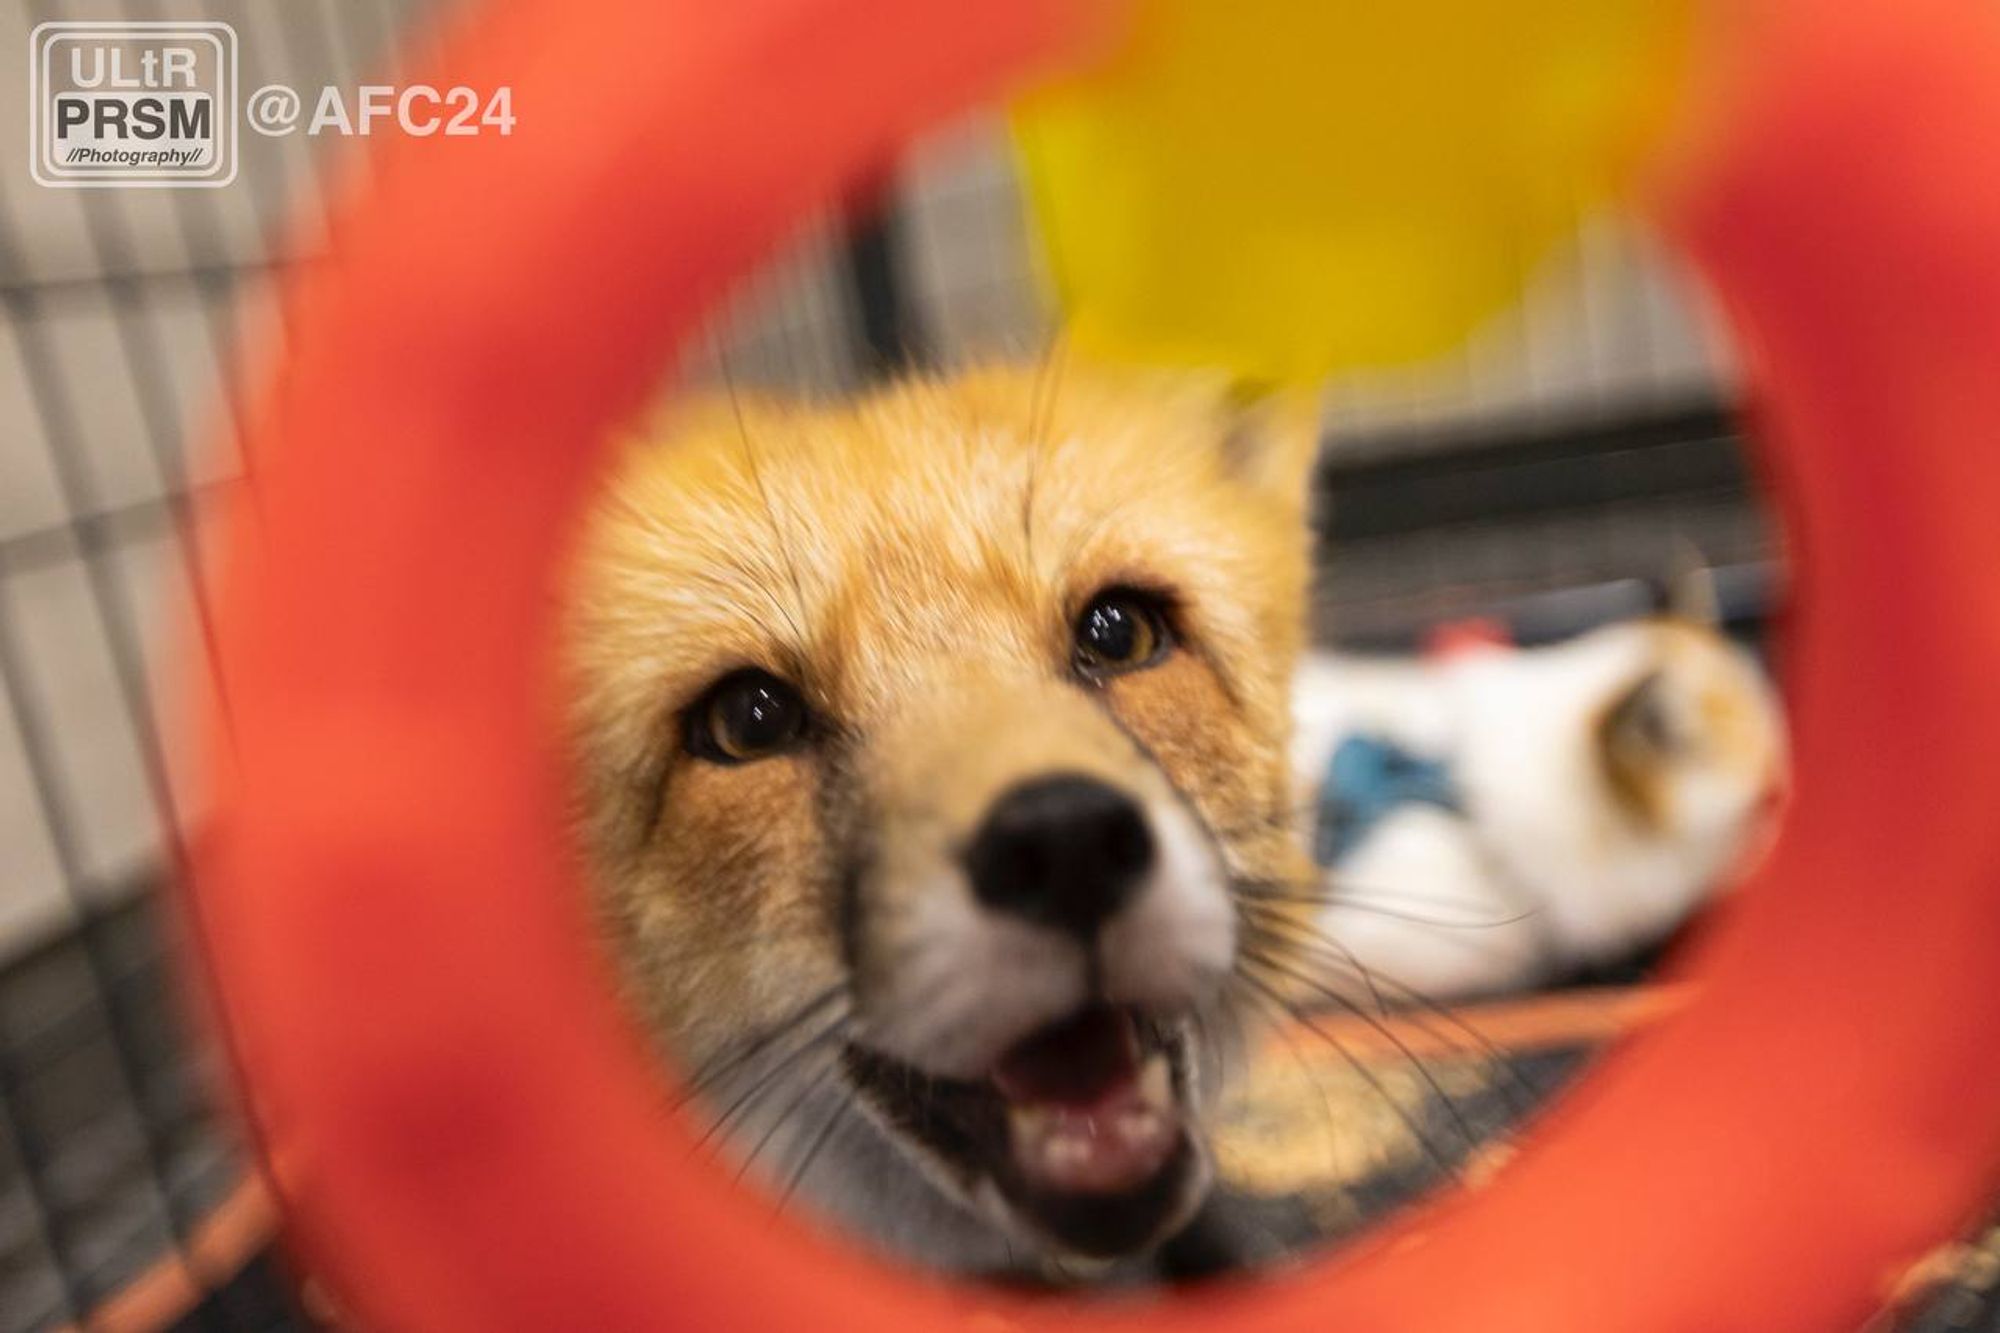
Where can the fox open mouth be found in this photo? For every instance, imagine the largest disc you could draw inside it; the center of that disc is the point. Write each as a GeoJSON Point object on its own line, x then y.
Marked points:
{"type": "Point", "coordinates": [1080, 1126]}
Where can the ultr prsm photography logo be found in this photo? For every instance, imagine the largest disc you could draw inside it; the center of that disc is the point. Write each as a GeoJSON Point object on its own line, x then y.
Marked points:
{"type": "Point", "coordinates": [132, 104]}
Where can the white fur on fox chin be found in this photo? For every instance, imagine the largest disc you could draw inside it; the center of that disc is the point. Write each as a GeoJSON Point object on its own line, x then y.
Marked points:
{"type": "Point", "coordinates": [1539, 874]}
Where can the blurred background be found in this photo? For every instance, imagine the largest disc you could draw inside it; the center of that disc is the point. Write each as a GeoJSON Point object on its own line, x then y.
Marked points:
{"type": "Point", "coordinates": [1546, 475]}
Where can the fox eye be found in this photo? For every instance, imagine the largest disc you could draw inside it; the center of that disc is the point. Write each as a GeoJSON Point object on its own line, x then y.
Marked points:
{"type": "Point", "coordinates": [746, 715]}
{"type": "Point", "coordinates": [1121, 630]}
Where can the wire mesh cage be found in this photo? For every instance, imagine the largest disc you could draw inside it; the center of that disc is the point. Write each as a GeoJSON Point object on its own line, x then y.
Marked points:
{"type": "Point", "coordinates": [1546, 473]}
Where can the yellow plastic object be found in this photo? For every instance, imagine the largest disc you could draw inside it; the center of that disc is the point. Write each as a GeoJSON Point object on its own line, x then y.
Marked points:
{"type": "Point", "coordinates": [1291, 187]}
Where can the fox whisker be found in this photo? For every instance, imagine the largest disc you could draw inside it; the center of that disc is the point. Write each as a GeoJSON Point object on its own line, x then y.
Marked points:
{"type": "Point", "coordinates": [811, 1086]}
{"type": "Point", "coordinates": [1041, 418]}
{"type": "Point", "coordinates": [778, 539]}
{"type": "Point", "coordinates": [1520, 1093]}
{"type": "Point", "coordinates": [1280, 968]}
{"type": "Point", "coordinates": [1341, 894]}
{"type": "Point", "coordinates": [1283, 1007]}
{"type": "Point", "coordinates": [821, 1137]}
{"type": "Point", "coordinates": [735, 1055]}
{"type": "Point", "coordinates": [768, 1081]}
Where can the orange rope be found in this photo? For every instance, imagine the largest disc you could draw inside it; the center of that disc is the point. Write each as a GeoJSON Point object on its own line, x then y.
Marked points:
{"type": "Point", "coordinates": [1563, 1018]}
{"type": "Point", "coordinates": [221, 1245]}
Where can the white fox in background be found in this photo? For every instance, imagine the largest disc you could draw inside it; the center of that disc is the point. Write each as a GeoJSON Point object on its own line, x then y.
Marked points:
{"type": "Point", "coordinates": [1495, 818]}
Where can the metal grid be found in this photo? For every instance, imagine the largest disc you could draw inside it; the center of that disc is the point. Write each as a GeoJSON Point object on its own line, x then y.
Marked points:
{"type": "Point", "coordinates": [122, 309]}
{"type": "Point", "coordinates": [1580, 439]}
{"type": "Point", "coordinates": [122, 312]}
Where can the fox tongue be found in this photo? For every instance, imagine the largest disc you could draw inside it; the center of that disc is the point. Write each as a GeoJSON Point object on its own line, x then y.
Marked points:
{"type": "Point", "coordinates": [1084, 1116]}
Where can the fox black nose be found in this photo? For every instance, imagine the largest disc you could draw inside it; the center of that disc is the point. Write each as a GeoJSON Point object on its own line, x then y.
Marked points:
{"type": "Point", "coordinates": [1066, 851]}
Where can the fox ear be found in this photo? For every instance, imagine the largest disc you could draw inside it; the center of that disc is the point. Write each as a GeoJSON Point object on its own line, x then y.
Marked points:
{"type": "Point", "coordinates": [1271, 438]}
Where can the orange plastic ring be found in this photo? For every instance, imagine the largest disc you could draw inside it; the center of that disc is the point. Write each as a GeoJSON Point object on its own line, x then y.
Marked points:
{"type": "Point", "coordinates": [465, 1131]}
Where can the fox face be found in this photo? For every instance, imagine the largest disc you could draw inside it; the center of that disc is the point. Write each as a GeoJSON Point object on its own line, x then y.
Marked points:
{"type": "Point", "coordinates": [925, 745]}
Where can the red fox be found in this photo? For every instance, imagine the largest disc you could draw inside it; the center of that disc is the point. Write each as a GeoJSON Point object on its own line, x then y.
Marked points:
{"type": "Point", "coordinates": [933, 774]}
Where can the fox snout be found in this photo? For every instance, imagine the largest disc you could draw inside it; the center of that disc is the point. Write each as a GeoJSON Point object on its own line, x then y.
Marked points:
{"type": "Point", "coordinates": [1032, 861]}
{"type": "Point", "coordinates": [1065, 851]}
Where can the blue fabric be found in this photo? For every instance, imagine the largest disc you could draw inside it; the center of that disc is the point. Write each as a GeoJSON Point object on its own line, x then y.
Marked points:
{"type": "Point", "coordinates": [1366, 780]}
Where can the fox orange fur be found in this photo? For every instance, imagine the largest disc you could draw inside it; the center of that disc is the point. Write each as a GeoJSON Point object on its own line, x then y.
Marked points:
{"type": "Point", "coordinates": [906, 856]}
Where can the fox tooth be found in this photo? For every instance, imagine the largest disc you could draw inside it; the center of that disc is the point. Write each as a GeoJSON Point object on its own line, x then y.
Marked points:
{"type": "Point", "coordinates": [1156, 1084]}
